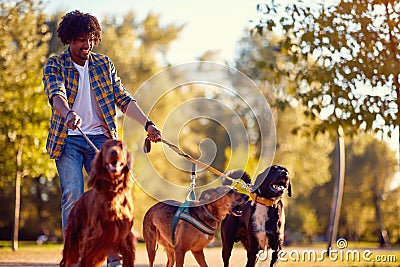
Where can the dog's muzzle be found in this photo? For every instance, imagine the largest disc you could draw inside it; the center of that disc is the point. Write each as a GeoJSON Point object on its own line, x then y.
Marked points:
{"type": "Point", "coordinates": [237, 209]}
{"type": "Point", "coordinates": [280, 182]}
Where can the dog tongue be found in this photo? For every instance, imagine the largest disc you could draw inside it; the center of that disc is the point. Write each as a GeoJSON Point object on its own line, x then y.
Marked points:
{"type": "Point", "coordinates": [115, 168]}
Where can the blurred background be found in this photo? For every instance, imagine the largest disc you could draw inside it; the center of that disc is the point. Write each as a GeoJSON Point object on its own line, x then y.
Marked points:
{"type": "Point", "coordinates": [321, 65]}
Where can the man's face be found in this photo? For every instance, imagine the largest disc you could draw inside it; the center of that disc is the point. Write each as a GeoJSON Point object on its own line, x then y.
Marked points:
{"type": "Point", "coordinates": [80, 49]}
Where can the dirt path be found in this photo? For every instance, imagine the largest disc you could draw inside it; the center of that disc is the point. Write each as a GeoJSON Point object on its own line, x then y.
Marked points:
{"type": "Point", "coordinates": [51, 258]}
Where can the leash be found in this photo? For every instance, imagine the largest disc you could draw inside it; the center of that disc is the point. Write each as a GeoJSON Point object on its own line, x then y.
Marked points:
{"type": "Point", "coordinates": [176, 149]}
{"type": "Point", "coordinates": [88, 139]}
{"type": "Point", "coordinates": [192, 194]}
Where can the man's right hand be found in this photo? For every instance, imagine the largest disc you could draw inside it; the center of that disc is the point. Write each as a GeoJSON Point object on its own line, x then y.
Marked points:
{"type": "Point", "coordinates": [73, 120]}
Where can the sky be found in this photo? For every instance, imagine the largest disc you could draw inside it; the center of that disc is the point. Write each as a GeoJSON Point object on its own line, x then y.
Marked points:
{"type": "Point", "coordinates": [210, 24]}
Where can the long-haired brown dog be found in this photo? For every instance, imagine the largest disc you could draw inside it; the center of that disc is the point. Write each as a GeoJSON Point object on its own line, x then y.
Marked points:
{"type": "Point", "coordinates": [211, 208]}
{"type": "Point", "coordinates": [102, 219]}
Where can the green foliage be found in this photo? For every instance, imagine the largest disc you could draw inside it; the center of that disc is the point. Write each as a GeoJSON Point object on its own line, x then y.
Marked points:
{"type": "Point", "coordinates": [41, 208]}
{"type": "Point", "coordinates": [286, 69]}
{"type": "Point", "coordinates": [55, 46]}
{"type": "Point", "coordinates": [307, 160]}
{"type": "Point", "coordinates": [23, 105]}
{"type": "Point", "coordinates": [27, 38]}
{"type": "Point", "coordinates": [306, 157]}
{"type": "Point", "coordinates": [370, 168]}
{"type": "Point", "coordinates": [390, 209]}
{"type": "Point", "coordinates": [345, 60]}
{"type": "Point", "coordinates": [136, 47]}
{"type": "Point", "coordinates": [309, 156]}
{"type": "Point", "coordinates": [261, 58]}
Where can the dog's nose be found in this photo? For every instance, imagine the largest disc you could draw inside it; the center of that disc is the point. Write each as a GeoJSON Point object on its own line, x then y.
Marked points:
{"type": "Point", "coordinates": [114, 153]}
{"type": "Point", "coordinates": [284, 173]}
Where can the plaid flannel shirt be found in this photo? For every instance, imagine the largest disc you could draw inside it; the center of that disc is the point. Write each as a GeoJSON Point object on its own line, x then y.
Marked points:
{"type": "Point", "coordinates": [61, 78]}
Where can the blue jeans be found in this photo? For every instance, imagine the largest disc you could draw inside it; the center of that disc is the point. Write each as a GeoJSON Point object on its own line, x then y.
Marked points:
{"type": "Point", "coordinates": [77, 154]}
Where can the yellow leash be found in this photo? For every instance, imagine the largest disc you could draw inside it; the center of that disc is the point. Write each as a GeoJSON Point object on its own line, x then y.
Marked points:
{"type": "Point", "coordinates": [147, 148]}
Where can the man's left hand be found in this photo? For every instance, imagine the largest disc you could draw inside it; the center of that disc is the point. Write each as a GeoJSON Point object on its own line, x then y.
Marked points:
{"type": "Point", "coordinates": [154, 134]}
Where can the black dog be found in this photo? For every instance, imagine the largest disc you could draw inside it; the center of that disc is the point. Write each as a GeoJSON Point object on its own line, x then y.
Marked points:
{"type": "Point", "coordinates": [261, 225]}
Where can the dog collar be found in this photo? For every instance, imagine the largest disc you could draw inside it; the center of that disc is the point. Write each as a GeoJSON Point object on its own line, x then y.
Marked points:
{"type": "Point", "coordinates": [262, 200]}
{"type": "Point", "coordinates": [211, 215]}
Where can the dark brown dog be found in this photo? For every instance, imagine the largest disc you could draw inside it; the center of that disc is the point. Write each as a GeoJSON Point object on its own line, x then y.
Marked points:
{"type": "Point", "coordinates": [102, 219]}
{"type": "Point", "coordinates": [261, 225]}
{"type": "Point", "coordinates": [211, 208]}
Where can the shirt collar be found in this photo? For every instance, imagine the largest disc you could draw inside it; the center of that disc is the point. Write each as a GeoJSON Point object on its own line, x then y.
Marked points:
{"type": "Point", "coordinates": [69, 62]}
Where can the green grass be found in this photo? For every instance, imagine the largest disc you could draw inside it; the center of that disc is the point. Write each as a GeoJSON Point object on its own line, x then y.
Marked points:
{"type": "Point", "coordinates": [5, 245]}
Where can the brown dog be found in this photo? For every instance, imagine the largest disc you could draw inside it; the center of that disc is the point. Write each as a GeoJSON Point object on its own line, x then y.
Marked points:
{"type": "Point", "coordinates": [261, 226]}
{"type": "Point", "coordinates": [102, 218]}
{"type": "Point", "coordinates": [162, 226]}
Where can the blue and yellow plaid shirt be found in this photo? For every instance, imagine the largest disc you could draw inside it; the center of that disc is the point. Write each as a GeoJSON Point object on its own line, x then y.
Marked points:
{"type": "Point", "coordinates": [61, 78]}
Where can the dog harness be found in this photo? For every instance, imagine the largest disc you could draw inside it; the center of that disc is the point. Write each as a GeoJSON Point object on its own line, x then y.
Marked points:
{"type": "Point", "coordinates": [184, 214]}
{"type": "Point", "coordinates": [262, 200]}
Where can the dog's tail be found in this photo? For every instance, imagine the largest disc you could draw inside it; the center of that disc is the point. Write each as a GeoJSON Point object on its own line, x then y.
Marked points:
{"type": "Point", "coordinates": [237, 174]}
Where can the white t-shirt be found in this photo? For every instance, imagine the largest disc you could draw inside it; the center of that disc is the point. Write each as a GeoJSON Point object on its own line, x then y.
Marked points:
{"type": "Point", "coordinates": [86, 106]}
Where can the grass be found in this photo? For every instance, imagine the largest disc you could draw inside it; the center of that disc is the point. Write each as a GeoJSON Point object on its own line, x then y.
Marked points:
{"type": "Point", "coordinates": [295, 256]}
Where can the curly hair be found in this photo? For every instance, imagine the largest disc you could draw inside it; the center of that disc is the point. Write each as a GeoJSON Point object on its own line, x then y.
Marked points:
{"type": "Point", "coordinates": [76, 24]}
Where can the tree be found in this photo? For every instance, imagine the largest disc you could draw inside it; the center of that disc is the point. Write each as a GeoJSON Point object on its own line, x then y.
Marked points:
{"type": "Point", "coordinates": [373, 161]}
{"type": "Point", "coordinates": [137, 46]}
{"type": "Point", "coordinates": [23, 105]}
{"type": "Point", "coordinates": [346, 59]}
{"type": "Point", "coordinates": [369, 173]}
{"type": "Point", "coordinates": [306, 158]}
{"type": "Point", "coordinates": [390, 207]}
{"type": "Point", "coordinates": [261, 58]}
{"type": "Point", "coordinates": [308, 161]}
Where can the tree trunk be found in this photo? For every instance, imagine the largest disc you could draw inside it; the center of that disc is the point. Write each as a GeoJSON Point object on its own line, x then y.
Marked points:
{"type": "Point", "coordinates": [338, 190]}
{"type": "Point", "coordinates": [17, 208]}
{"type": "Point", "coordinates": [382, 234]}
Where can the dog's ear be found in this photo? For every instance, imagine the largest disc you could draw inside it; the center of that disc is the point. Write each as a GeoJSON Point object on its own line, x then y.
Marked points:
{"type": "Point", "coordinates": [147, 145]}
{"type": "Point", "coordinates": [237, 174]}
{"type": "Point", "coordinates": [290, 189]}
{"type": "Point", "coordinates": [97, 167]}
{"type": "Point", "coordinates": [128, 162]}
{"type": "Point", "coordinates": [208, 195]}
{"type": "Point", "coordinates": [260, 178]}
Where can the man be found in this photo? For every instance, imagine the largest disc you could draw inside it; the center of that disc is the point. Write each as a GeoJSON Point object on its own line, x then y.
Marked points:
{"type": "Point", "coordinates": [84, 91]}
